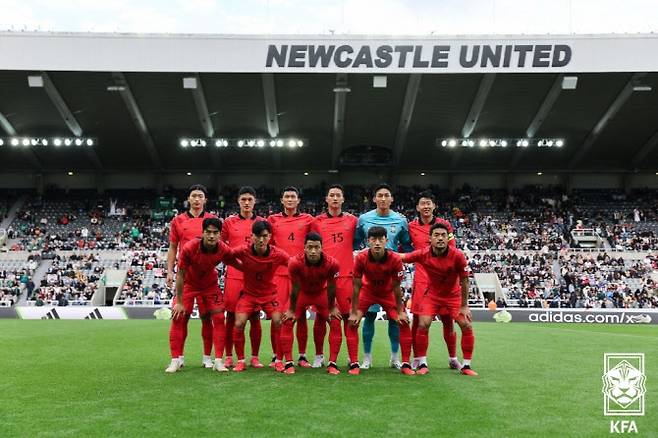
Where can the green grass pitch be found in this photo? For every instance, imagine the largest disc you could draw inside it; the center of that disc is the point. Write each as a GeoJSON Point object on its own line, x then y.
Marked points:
{"type": "Point", "coordinates": [106, 378]}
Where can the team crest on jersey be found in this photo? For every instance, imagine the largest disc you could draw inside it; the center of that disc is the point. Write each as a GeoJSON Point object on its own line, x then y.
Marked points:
{"type": "Point", "coordinates": [393, 229]}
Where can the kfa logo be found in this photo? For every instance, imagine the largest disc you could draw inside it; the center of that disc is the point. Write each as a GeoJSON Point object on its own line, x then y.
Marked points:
{"type": "Point", "coordinates": [624, 388]}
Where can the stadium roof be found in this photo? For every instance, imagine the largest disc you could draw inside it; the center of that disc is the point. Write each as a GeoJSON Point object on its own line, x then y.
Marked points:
{"type": "Point", "coordinates": [608, 123]}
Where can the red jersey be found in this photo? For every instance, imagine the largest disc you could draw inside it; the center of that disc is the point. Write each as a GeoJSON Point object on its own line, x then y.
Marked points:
{"type": "Point", "coordinates": [313, 279]}
{"type": "Point", "coordinates": [259, 270]}
{"type": "Point", "coordinates": [186, 227]}
{"type": "Point", "coordinates": [378, 276]}
{"type": "Point", "coordinates": [199, 265]}
{"type": "Point", "coordinates": [288, 233]}
{"type": "Point", "coordinates": [236, 232]}
{"type": "Point", "coordinates": [337, 234]}
{"type": "Point", "coordinates": [444, 272]}
{"type": "Point", "coordinates": [420, 239]}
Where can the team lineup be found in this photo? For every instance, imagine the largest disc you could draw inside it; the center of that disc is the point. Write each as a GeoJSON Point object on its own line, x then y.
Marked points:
{"type": "Point", "coordinates": [290, 262]}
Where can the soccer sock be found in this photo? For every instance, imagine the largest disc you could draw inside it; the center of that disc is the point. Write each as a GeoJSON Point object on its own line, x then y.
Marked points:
{"type": "Point", "coordinates": [285, 340]}
{"type": "Point", "coordinates": [184, 335]}
{"type": "Point", "coordinates": [218, 333]}
{"type": "Point", "coordinates": [394, 336]}
{"type": "Point", "coordinates": [405, 340]}
{"type": "Point", "coordinates": [207, 335]}
{"type": "Point", "coordinates": [238, 341]}
{"type": "Point", "coordinates": [335, 339]}
{"type": "Point", "coordinates": [468, 342]}
{"type": "Point", "coordinates": [368, 331]}
{"type": "Point", "coordinates": [302, 334]}
{"type": "Point", "coordinates": [449, 335]}
{"type": "Point", "coordinates": [414, 328]}
{"type": "Point", "coordinates": [421, 342]}
{"type": "Point", "coordinates": [319, 333]}
{"type": "Point", "coordinates": [228, 339]}
{"type": "Point", "coordinates": [255, 334]}
{"type": "Point", "coordinates": [275, 337]}
{"type": "Point", "coordinates": [176, 336]}
{"type": "Point", "coordinates": [352, 336]}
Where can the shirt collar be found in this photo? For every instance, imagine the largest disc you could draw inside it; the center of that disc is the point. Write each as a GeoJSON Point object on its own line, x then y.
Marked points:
{"type": "Point", "coordinates": [382, 260]}
{"type": "Point", "coordinates": [432, 222]}
{"type": "Point", "coordinates": [267, 252]}
{"type": "Point", "coordinates": [329, 214]}
{"type": "Point", "coordinates": [283, 213]}
{"type": "Point", "coordinates": [203, 249]}
{"type": "Point", "coordinates": [253, 217]}
{"type": "Point", "coordinates": [442, 256]}
{"type": "Point", "coordinates": [307, 263]}
{"type": "Point", "coordinates": [190, 215]}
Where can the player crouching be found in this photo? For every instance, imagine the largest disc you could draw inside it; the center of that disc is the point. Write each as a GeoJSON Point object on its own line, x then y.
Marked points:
{"type": "Point", "coordinates": [313, 275]}
{"type": "Point", "coordinates": [197, 279]}
{"type": "Point", "coordinates": [447, 270]}
{"type": "Point", "coordinates": [377, 275]}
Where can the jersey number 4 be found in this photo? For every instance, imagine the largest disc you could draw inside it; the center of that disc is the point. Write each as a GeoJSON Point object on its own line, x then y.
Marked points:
{"type": "Point", "coordinates": [291, 237]}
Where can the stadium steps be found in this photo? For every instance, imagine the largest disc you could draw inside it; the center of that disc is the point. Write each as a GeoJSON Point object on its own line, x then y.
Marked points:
{"type": "Point", "coordinates": [13, 211]}
{"type": "Point", "coordinates": [39, 274]}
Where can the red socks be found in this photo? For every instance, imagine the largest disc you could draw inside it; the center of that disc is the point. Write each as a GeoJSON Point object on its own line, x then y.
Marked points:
{"type": "Point", "coordinates": [319, 333]}
{"type": "Point", "coordinates": [255, 333]}
{"type": "Point", "coordinates": [228, 340]}
{"type": "Point", "coordinates": [285, 341]}
{"type": "Point", "coordinates": [207, 335]}
{"type": "Point", "coordinates": [302, 334]}
{"type": "Point", "coordinates": [449, 335]}
{"type": "Point", "coordinates": [468, 342]}
{"type": "Point", "coordinates": [218, 333]}
{"type": "Point", "coordinates": [177, 333]}
{"type": "Point", "coordinates": [421, 341]}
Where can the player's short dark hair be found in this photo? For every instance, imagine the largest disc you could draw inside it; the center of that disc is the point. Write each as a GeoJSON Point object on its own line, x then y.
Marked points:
{"type": "Point", "coordinates": [211, 222]}
{"type": "Point", "coordinates": [290, 189]}
{"type": "Point", "coordinates": [336, 186]}
{"type": "Point", "coordinates": [312, 236]}
{"type": "Point", "coordinates": [200, 187]}
{"type": "Point", "coordinates": [381, 186]}
{"type": "Point", "coordinates": [439, 224]}
{"type": "Point", "coordinates": [259, 226]}
{"type": "Point", "coordinates": [425, 194]}
{"type": "Point", "coordinates": [247, 190]}
{"type": "Point", "coordinates": [377, 232]}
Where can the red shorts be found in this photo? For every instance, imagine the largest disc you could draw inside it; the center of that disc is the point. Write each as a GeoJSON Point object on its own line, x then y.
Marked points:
{"type": "Point", "coordinates": [232, 289]}
{"type": "Point", "coordinates": [250, 303]}
{"type": "Point", "coordinates": [318, 302]}
{"type": "Point", "coordinates": [441, 305]}
{"type": "Point", "coordinates": [344, 289]}
{"type": "Point", "coordinates": [208, 300]}
{"type": "Point", "coordinates": [420, 290]}
{"type": "Point", "coordinates": [282, 292]}
{"type": "Point", "coordinates": [387, 302]}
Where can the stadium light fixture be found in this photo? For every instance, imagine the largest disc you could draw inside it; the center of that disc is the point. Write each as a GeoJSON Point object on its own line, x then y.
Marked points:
{"type": "Point", "coordinates": [189, 174]}
{"type": "Point", "coordinates": [642, 88]}
{"type": "Point", "coordinates": [187, 142]}
{"type": "Point", "coordinates": [492, 142]}
{"type": "Point", "coordinates": [422, 173]}
{"type": "Point", "coordinates": [14, 142]}
{"type": "Point", "coordinates": [305, 173]}
{"type": "Point", "coordinates": [67, 142]}
{"type": "Point", "coordinates": [35, 81]}
{"type": "Point", "coordinates": [2, 142]}
{"type": "Point", "coordinates": [569, 82]}
{"type": "Point", "coordinates": [57, 141]}
{"type": "Point", "coordinates": [69, 173]}
{"type": "Point", "coordinates": [539, 174]}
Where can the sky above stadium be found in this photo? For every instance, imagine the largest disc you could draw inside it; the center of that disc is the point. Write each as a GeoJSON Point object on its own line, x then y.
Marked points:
{"type": "Point", "coordinates": [388, 17]}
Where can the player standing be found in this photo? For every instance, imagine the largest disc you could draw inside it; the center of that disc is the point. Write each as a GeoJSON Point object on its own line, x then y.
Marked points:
{"type": "Point", "coordinates": [337, 229]}
{"type": "Point", "coordinates": [197, 279]}
{"type": "Point", "coordinates": [397, 238]}
{"type": "Point", "coordinates": [313, 275]}
{"type": "Point", "coordinates": [235, 233]}
{"type": "Point", "coordinates": [183, 228]}
{"type": "Point", "coordinates": [377, 275]}
{"type": "Point", "coordinates": [289, 229]}
{"type": "Point", "coordinates": [447, 271]}
{"type": "Point", "coordinates": [419, 229]}
{"type": "Point", "coordinates": [259, 262]}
